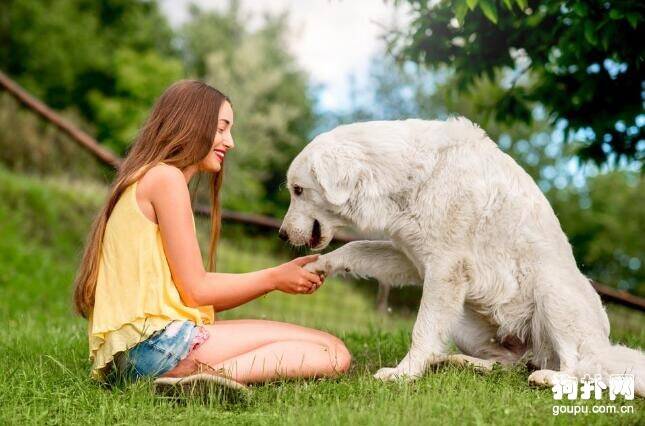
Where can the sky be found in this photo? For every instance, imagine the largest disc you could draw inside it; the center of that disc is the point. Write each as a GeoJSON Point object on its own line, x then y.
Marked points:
{"type": "Point", "coordinates": [330, 39]}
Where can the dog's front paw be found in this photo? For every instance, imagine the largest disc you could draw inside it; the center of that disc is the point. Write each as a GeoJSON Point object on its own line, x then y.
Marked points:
{"type": "Point", "coordinates": [396, 373]}
{"type": "Point", "coordinates": [322, 266]}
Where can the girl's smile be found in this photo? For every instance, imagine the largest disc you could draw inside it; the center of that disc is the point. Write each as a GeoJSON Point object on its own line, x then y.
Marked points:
{"type": "Point", "coordinates": [220, 153]}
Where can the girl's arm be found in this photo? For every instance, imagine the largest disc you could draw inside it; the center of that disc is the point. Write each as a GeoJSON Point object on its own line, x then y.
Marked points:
{"type": "Point", "coordinates": [166, 189]}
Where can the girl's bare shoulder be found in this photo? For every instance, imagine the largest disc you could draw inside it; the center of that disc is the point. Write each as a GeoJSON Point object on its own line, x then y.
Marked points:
{"type": "Point", "coordinates": [161, 178]}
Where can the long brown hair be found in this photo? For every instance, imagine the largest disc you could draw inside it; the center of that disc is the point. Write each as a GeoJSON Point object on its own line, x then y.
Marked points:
{"type": "Point", "coordinates": [179, 131]}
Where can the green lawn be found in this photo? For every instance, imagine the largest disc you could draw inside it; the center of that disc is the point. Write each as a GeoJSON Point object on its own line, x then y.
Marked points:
{"type": "Point", "coordinates": [43, 348]}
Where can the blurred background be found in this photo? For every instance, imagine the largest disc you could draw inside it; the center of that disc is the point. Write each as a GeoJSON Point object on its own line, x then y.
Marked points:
{"type": "Point", "coordinates": [559, 86]}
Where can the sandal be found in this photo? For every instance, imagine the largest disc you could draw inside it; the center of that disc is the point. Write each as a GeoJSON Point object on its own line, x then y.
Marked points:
{"type": "Point", "coordinates": [201, 384]}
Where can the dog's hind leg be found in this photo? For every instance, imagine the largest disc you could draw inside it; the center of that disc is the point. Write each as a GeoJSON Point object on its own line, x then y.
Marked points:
{"type": "Point", "coordinates": [461, 360]}
{"type": "Point", "coordinates": [374, 259]}
{"type": "Point", "coordinates": [476, 337]}
{"type": "Point", "coordinates": [568, 336]}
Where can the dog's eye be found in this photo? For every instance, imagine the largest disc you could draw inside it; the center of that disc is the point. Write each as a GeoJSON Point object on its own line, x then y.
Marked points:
{"type": "Point", "coordinates": [297, 189]}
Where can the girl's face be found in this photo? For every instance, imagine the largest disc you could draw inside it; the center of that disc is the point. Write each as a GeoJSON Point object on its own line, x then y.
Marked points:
{"type": "Point", "coordinates": [222, 143]}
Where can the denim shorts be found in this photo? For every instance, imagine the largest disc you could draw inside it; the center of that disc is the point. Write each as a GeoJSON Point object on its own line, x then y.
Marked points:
{"type": "Point", "coordinates": [161, 352]}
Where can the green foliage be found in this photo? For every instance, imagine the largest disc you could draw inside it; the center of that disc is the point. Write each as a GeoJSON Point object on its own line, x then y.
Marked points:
{"type": "Point", "coordinates": [28, 145]}
{"type": "Point", "coordinates": [208, 32]}
{"type": "Point", "coordinates": [578, 59]}
{"type": "Point", "coordinates": [487, 7]}
{"type": "Point", "coordinates": [105, 63]}
{"type": "Point", "coordinates": [139, 79]}
{"type": "Point", "coordinates": [270, 96]}
{"type": "Point", "coordinates": [80, 54]}
{"type": "Point", "coordinates": [604, 223]}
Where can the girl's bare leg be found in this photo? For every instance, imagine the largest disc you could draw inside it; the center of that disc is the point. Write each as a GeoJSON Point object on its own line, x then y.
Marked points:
{"type": "Point", "coordinates": [257, 351]}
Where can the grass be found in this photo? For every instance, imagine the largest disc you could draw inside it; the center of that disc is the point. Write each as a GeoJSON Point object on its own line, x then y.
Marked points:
{"type": "Point", "coordinates": [43, 347]}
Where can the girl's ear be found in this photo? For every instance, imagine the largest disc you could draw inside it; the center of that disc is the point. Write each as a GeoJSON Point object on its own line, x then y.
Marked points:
{"type": "Point", "coordinates": [339, 174]}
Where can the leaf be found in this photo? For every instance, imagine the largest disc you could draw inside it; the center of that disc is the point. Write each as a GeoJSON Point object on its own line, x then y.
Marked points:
{"type": "Point", "coordinates": [633, 19]}
{"type": "Point", "coordinates": [508, 4]}
{"type": "Point", "coordinates": [534, 20]}
{"type": "Point", "coordinates": [461, 9]}
{"type": "Point", "coordinates": [580, 9]}
{"type": "Point", "coordinates": [489, 9]}
{"type": "Point", "coordinates": [615, 14]}
{"type": "Point", "coordinates": [523, 4]}
{"type": "Point", "coordinates": [471, 4]}
{"type": "Point", "coordinates": [590, 33]}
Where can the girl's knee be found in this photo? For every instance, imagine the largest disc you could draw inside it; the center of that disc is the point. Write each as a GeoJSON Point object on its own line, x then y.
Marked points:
{"type": "Point", "coordinates": [344, 358]}
{"type": "Point", "coordinates": [341, 355]}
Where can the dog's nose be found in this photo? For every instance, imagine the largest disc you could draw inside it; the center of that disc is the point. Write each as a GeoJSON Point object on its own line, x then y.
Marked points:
{"type": "Point", "coordinates": [283, 235]}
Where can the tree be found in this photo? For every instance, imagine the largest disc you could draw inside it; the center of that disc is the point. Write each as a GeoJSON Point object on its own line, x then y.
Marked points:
{"type": "Point", "coordinates": [139, 78]}
{"type": "Point", "coordinates": [105, 63]}
{"type": "Point", "coordinates": [603, 221]}
{"type": "Point", "coordinates": [270, 97]}
{"type": "Point", "coordinates": [61, 49]}
{"type": "Point", "coordinates": [75, 54]}
{"type": "Point", "coordinates": [581, 60]}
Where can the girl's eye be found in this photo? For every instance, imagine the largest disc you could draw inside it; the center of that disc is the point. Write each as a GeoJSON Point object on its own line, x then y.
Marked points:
{"type": "Point", "coordinates": [220, 130]}
{"type": "Point", "coordinates": [297, 189]}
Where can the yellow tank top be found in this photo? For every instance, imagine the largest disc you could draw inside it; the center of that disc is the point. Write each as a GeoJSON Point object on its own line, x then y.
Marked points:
{"type": "Point", "coordinates": [135, 294]}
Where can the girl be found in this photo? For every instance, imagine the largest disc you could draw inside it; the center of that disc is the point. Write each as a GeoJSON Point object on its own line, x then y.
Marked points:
{"type": "Point", "coordinates": [142, 284]}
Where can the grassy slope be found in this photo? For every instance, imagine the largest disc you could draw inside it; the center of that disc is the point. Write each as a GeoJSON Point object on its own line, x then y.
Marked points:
{"type": "Point", "coordinates": [43, 349]}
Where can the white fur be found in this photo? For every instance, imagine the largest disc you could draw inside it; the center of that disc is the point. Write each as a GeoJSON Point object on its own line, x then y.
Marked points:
{"type": "Point", "coordinates": [470, 226]}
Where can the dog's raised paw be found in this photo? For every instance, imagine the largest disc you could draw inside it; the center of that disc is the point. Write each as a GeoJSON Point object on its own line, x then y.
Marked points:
{"type": "Point", "coordinates": [320, 267]}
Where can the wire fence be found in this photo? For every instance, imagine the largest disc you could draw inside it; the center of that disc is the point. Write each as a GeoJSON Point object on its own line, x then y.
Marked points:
{"type": "Point", "coordinates": [249, 242]}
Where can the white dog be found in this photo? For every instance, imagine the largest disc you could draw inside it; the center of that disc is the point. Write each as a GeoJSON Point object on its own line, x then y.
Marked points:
{"type": "Point", "coordinates": [471, 227]}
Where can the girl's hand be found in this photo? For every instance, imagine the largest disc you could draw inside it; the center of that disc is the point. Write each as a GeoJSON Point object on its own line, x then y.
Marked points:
{"type": "Point", "coordinates": [292, 278]}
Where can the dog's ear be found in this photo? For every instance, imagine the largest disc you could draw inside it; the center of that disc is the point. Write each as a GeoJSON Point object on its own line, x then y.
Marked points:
{"type": "Point", "coordinates": [337, 174]}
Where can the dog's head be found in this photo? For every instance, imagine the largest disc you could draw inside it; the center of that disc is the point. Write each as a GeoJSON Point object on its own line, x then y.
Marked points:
{"type": "Point", "coordinates": [345, 177]}
{"type": "Point", "coordinates": [323, 181]}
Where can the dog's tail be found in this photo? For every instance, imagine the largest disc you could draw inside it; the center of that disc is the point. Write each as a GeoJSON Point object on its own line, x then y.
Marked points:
{"type": "Point", "coordinates": [615, 359]}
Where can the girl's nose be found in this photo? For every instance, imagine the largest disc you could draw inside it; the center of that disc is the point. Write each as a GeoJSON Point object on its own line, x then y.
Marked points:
{"type": "Point", "coordinates": [229, 143]}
